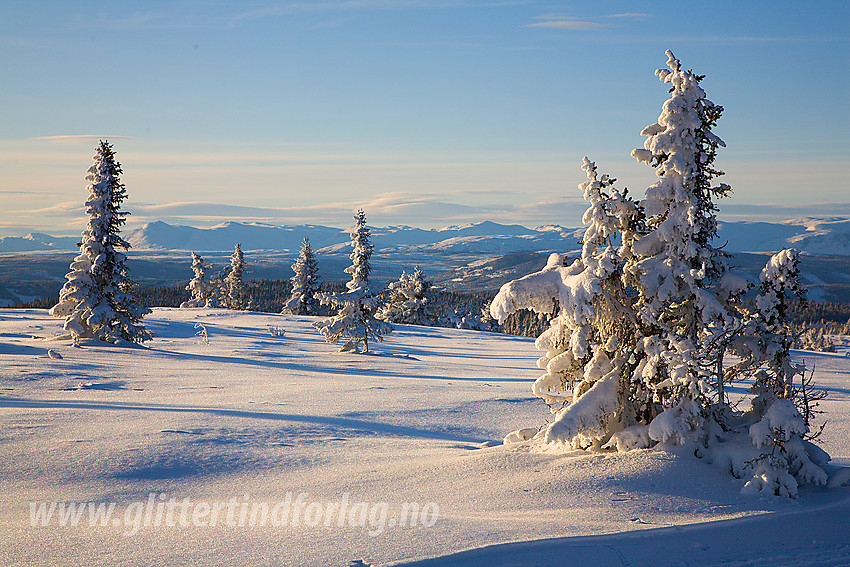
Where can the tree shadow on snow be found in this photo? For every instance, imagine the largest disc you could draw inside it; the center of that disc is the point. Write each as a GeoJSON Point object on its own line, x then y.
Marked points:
{"type": "Point", "coordinates": [311, 367]}
{"type": "Point", "coordinates": [370, 426]}
{"type": "Point", "coordinates": [22, 350]}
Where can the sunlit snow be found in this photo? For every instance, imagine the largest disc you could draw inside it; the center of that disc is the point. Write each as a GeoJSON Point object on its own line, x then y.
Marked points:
{"type": "Point", "coordinates": [231, 405]}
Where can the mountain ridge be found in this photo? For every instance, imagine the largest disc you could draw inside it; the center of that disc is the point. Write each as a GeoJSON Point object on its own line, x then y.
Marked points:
{"type": "Point", "coordinates": [812, 235]}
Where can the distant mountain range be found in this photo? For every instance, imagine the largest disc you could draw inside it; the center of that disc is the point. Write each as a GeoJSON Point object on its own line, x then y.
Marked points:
{"type": "Point", "coordinates": [36, 241]}
{"type": "Point", "coordinates": [819, 236]}
{"type": "Point", "coordinates": [473, 257]}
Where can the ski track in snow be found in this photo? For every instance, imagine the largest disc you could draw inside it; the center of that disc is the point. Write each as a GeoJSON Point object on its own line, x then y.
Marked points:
{"type": "Point", "coordinates": [251, 413]}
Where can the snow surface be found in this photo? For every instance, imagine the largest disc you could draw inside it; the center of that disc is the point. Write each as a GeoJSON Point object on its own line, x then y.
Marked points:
{"type": "Point", "coordinates": [253, 412]}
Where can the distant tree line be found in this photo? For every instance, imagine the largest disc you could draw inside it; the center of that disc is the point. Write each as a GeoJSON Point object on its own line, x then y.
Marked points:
{"type": "Point", "coordinates": [827, 312]}
{"type": "Point", "coordinates": [267, 296]}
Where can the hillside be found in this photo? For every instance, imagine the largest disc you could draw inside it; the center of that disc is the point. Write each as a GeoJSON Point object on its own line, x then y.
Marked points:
{"type": "Point", "coordinates": [265, 408]}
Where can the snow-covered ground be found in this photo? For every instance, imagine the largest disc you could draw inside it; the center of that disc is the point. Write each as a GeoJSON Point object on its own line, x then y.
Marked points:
{"type": "Point", "coordinates": [249, 417]}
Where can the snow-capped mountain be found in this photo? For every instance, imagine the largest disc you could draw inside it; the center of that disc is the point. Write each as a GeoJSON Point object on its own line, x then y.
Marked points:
{"type": "Point", "coordinates": [820, 236]}
{"type": "Point", "coordinates": [253, 236]}
{"type": "Point", "coordinates": [476, 238]}
{"type": "Point", "coordinates": [35, 241]}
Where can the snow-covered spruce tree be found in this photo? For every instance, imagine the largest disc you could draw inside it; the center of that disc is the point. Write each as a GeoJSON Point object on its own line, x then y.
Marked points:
{"type": "Point", "coordinates": [781, 458]}
{"type": "Point", "coordinates": [305, 283]}
{"type": "Point", "coordinates": [355, 317]}
{"type": "Point", "coordinates": [763, 345]}
{"type": "Point", "coordinates": [686, 293]}
{"type": "Point", "coordinates": [470, 317]}
{"type": "Point", "coordinates": [812, 336]}
{"type": "Point", "coordinates": [635, 355]}
{"type": "Point", "coordinates": [97, 300]}
{"type": "Point", "coordinates": [203, 292]}
{"type": "Point", "coordinates": [218, 285]}
{"type": "Point", "coordinates": [588, 363]}
{"type": "Point", "coordinates": [407, 300]}
{"type": "Point", "coordinates": [235, 293]}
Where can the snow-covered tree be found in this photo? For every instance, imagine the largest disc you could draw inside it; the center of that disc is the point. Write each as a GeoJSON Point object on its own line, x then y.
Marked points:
{"type": "Point", "coordinates": [234, 290]}
{"type": "Point", "coordinates": [763, 345]}
{"type": "Point", "coordinates": [305, 283]}
{"type": "Point", "coordinates": [407, 300]}
{"type": "Point", "coordinates": [203, 292]}
{"type": "Point", "coordinates": [469, 317]}
{"type": "Point", "coordinates": [686, 290]}
{"type": "Point", "coordinates": [780, 413]}
{"type": "Point", "coordinates": [635, 355]}
{"type": "Point", "coordinates": [355, 317]}
{"type": "Point", "coordinates": [813, 337]}
{"type": "Point", "coordinates": [589, 343]}
{"type": "Point", "coordinates": [97, 300]}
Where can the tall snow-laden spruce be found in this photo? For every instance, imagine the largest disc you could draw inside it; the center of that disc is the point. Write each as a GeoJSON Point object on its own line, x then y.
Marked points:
{"type": "Point", "coordinates": [355, 317]}
{"type": "Point", "coordinates": [642, 320]}
{"type": "Point", "coordinates": [305, 283]}
{"type": "Point", "coordinates": [686, 290]}
{"type": "Point", "coordinates": [234, 291]}
{"type": "Point", "coordinates": [97, 300]}
{"type": "Point", "coordinates": [408, 300]}
{"type": "Point", "coordinates": [203, 292]}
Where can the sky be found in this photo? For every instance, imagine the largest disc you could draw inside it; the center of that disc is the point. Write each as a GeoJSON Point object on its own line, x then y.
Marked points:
{"type": "Point", "coordinates": [425, 113]}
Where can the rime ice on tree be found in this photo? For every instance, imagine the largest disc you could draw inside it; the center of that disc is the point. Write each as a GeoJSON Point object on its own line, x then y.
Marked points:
{"type": "Point", "coordinates": [97, 300]}
{"type": "Point", "coordinates": [355, 317]}
{"type": "Point", "coordinates": [203, 291]}
{"type": "Point", "coordinates": [408, 300]}
{"type": "Point", "coordinates": [305, 283]}
{"type": "Point", "coordinates": [635, 354]}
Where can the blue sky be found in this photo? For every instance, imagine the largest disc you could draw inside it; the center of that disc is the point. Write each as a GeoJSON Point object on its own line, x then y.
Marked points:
{"type": "Point", "coordinates": [427, 113]}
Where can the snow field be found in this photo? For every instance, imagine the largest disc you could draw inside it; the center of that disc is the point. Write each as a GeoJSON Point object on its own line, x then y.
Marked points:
{"type": "Point", "coordinates": [252, 413]}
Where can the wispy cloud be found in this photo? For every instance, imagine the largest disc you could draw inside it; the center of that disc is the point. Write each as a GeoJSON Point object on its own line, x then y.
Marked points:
{"type": "Point", "coordinates": [569, 25]}
{"type": "Point", "coordinates": [141, 156]}
{"type": "Point", "coordinates": [178, 16]}
{"type": "Point", "coordinates": [287, 8]}
{"type": "Point", "coordinates": [386, 209]}
{"type": "Point", "coordinates": [392, 208]}
{"type": "Point", "coordinates": [80, 138]}
{"type": "Point", "coordinates": [782, 211]}
{"type": "Point", "coordinates": [596, 23]}
{"type": "Point", "coordinates": [629, 15]}
{"type": "Point", "coordinates": [59, 209]}
{"type": "Point", "coordinates": [28, 193]}
{"type": "Point", "coordinates": [748, 39]}
{"type": "Point", "coordinates": [395, 204]}
{"type": "Point", "coordinates": [425, 210]}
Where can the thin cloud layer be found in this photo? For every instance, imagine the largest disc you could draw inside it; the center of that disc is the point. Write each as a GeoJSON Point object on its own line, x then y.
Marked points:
{"type": "Point", "coordinates": [64, 219]}
{"type": "Point", "coordinates": [388, 209]}
{"type": "Point", "coordinates": [565, 22]}
{"type": "Point", "coordinates": [81, 139]}
{"type": "Point", "coordinates": [568, 25]}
